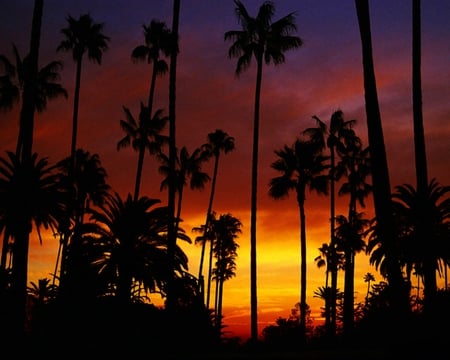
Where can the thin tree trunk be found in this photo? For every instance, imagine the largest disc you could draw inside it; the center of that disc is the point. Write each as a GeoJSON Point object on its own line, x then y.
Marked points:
{"type": "Point", "coordinates": [303, 261]}
{"type": "Point", "coordinates": [172, 240]}
{"type": "Point", "coordinates": [380, 174]}
{"type": "Point", "coordinates": [429, 271]}
{"type": "Point", "coordinates": [208, 214]}
{"type": "Point", "coordinates": [254, 192]}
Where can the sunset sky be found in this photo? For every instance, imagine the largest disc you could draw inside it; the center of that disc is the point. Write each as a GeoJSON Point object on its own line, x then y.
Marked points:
{"type": "Point", "coordinates": [324, 75]}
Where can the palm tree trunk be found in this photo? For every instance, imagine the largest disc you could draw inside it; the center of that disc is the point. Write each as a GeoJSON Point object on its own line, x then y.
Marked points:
{"type": "Point", "coordinates": [254, 192]}
{"type": "Point", "coordinates": [76, 101]}
{"type": "Point", "coordinates": [331, 329]}
{"type": "Point", "coordinates": [380, 174]}
{"type": "Point", "coordinates": [429, 272]}
{"type": "Point", "coordinates": [208, 291]}
{"type": "Point", "coordinates": [140, 165]}
{"type": "Point", "coordinates": [303, 261]}
{"type": "Point", "coordinates": [172, 155]}
{"type": "Point", "coordinates": [208, 214]}
{"type": "Point", "coordinates": [29, 87]}
{"type": "Point", "coordinates": [21, 241]}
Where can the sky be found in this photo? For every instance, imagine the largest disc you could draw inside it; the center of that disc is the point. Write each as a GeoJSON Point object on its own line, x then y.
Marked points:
{"type": "Point", "coordinates": [322, 76]}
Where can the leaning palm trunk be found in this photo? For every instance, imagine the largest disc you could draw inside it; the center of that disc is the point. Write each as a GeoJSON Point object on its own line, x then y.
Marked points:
{"type": "Point", "coordinates": [380, 174]}
{"type": "Point", "coordinates": [208, 215]}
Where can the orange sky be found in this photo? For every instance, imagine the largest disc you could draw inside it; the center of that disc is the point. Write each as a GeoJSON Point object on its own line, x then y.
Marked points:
{"type": "Point", "coordinates": [319, 78]}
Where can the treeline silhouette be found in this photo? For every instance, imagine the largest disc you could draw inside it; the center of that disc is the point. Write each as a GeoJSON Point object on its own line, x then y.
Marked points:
{"type": "Point", "coordinates": [114, 253]}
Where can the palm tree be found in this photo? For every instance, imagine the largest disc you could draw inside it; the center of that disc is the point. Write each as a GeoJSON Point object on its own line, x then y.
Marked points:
{"type": "Point", "coordinates": [82, 36]}
{"type": "Point", "coordinates": [17, 174]}
{"type": "Point", "coordinates": [355, 167]}
{"type": "Point", "coordinates": [349, 235]}
{"type": "Point", "coordinates": [128, 240]}
{"type": "Point", "coordinates": [420, 150]}
{"type": "Point", "coordinates": [189, 168]}
{"type": "Point", "coordinates": [434, 212]}
{"type": "Point", "coordinates": [26, 124]}
{"type": "Point", "coordinates": [225, 230]}
{"type": "Point", "coordinates": [368, 278]}
{"type": "Point", "coordinates": [334, 137]}
{"type": "Point", "coordinates": [13, 81]}
{"type": "Point", "coordinates": [157, 42]}
{"type": "Point", "coordinates": [32, 197]}
{"type": "Point", "coordinates": [42, 292]}
{"type": "Point", "coordinates": [171, 300]}
{"type": "Point", "coordinates": [331, 258]}
{"type": "Point", "coordinates": [267, 41]}
{"type": "Point", "coordinates": [87, 184]}
{"type": "Point", "coordinates": [380, 173]}
{"type": "Point", "coordinates": [218, 142]}
{"type": "Point", "coordinates": [301, 167]}
{"type": "Point", "coordinates": [144, 134]}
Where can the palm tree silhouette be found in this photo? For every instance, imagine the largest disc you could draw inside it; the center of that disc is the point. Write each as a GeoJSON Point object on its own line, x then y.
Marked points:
{"type": "Point", "coordinates": [82, 36]}
{"type": "Point", "coordinates": [218, 142]}
{"type": "Point", "coordinates": [32, 197]}
{"type": "Point", "coordinates": [267, 41]}
{"type": "Point", "coordinates": [144, 134]}
{"type": "Point", "coordinates": [301, 167]}
{"type": "Point", "coordinates": [380, 173]}
{"type": "Point", "coordinates": [158, 41]}
{"type": "Point", "coordinates": [368, 278]}
{"type": "Point", "coordinates": [172, 185]}
{"type": "Point", "coordinates": [12, 86]}
{"type": "Point", "coordinates": [334, 137]}
{"type": "Point", "coordinates": [433, 211]}
{"type": "Point", "coordinates": [87, 186]}
{"type": "Point", "coordinates": [428, 269]}
{"type": "Point", "coordinates": [225, 230]}
{"type": "Point", "coordinates": [349, 235]}
{"type": "Point", "coordinates": [189, 169]}
{"type": "Point", "coordinates": [130, 239]}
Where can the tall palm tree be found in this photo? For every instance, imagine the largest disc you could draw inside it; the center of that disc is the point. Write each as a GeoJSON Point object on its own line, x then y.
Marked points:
{"type": "Point", "coordinates": [144, 134]}
{"type": "Point", "coordinates": [82, 36]}
{"type": "Point", "coordinates": [26, 124]}
{"type": "Point", "coordinates": [349, 234]}
{"type": "Point", "coordinates": [355, 167]}
{"type": "Point", "coordinates": [301, 167]}
{"type": "Point", "coordinates": [172, 188]}
{"type": "Point", "coordinates": [87, 184]}
{"type": "Point", "coordinates": [24, 164]}
{"type": "Point", "coordinates": [129, 242]}
{"type": "Point", "coordinates": [331, 258]}
{"type": "Point", "coordinates": [429, 275]}
{"type": "Point", "coordinates": [225, 229]}
{"type": "Point", "coordinates": [334, 137]}
{"type": "Point", "coordinates": [267, 41]}
{"type": "Point", "coordinates": [32, 198]}
{"type": "Point", "coordinates": [380, 173]}
{"type": "Point", "coordinates": [13, 81]}
{"type": "Point", "coordinates": [218, 142]}
{"type": "Point", "coordinates": [157, 42]}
